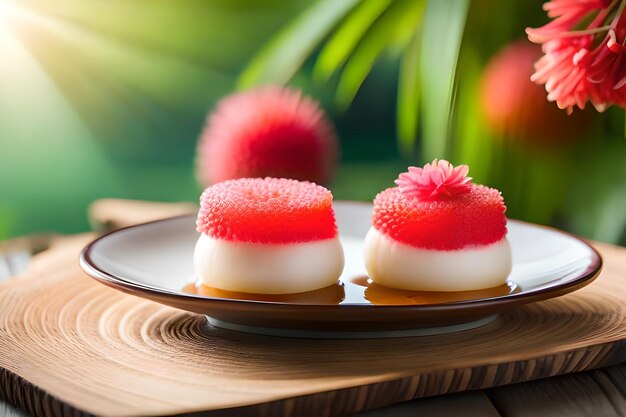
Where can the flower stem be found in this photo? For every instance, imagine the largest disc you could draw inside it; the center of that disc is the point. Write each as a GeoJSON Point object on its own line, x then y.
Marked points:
{"type": "Point", "coordinates": [618, 14]}
{"type": "Point", "coordinates": [584, 32]}
{"type": "Point", "coordinates": [600, 29]}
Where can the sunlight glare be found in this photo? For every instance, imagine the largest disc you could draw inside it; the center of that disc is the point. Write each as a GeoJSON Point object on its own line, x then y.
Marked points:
{"type": "Point", "coordinates": [7, 10]}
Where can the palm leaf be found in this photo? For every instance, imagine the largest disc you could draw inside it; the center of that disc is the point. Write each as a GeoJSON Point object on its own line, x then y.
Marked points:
{"type": "Point", "coordinates": [546, 183]}
{"type": "Point", "coordinates": [476, 145]}
{"type": "Point", "coordinates": [279, 60]}
{"type": "Point", "coordinates": [337, 50]}
{"type": "Point", "coordinates": [395, 25]}
{"type": "Point", "coordinates": [596, 203]}
{"type": "Point", "coordinates": [611, 222]}
{"type": "Point", "coordinates": [409, 97]}
{"type": "Point", "coordinates": [444, 23]}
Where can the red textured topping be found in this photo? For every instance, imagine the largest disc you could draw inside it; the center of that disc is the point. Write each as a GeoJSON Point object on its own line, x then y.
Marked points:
{"type": "Point", "coordinates": [474, 218]}
{"type": "Point", "coordinates": [267, 210]}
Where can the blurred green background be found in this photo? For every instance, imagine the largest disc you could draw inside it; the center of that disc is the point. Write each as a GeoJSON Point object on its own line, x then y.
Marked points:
{"type": "Point", "coordinates": [107, 98]}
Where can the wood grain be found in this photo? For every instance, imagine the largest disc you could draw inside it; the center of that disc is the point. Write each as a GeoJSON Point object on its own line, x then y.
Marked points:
{"type": "Point", "coordinates": [69, 345]}
{"type": "Point", "coordinates": [111, 213]}
{"type": "Point", "coordinates": [587, 394]}
{"type": "Point", "coordinates": [7, 410]}
{"type": "Point", "coordinates": [617, 378]}
{"type": "Point", "coordinates": [472, 404]}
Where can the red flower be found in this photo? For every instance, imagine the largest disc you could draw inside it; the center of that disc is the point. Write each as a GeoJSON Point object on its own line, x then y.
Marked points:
{"type": "Point", "coordinates": [267, 132]}
{"type": "Point", "coordinates": [587, 64]}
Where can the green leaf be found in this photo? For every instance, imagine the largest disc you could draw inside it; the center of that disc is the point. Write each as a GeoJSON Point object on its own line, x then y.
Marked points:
{"type": "Point", "coordinates": [611, 221]}
{"type": "Point", "coordinates": [409, 97]}
{"type": "Point", "coordinates": [395, 25]}
{"type": "Point", "coordinates": [361, 181]}
{"type": "Point", "coordinates": [444, 23]}
{"type": "Point", "coordinates": [279, 60]}
{"type": "Point", "coordinates": [7, 220]}
{"type": "Point", "coordinates": [475, 145]}
{"type": "Point", "coordinates": [545, 184]}
{"type": "Point", "coordinates": [336, 51]}
{"type": "Point", "coordinates": [596, 203]}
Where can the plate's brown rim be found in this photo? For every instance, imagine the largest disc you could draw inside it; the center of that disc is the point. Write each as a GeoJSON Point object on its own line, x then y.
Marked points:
{"type": "Point", "coordinates": [111, 280]}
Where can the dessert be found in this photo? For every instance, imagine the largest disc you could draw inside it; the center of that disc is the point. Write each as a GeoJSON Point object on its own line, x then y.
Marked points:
{"type": "Point", "coordinates": [267, 236]}
{"type": "Point", "coordinates": [270, 131]}
{"type": "Point", "coordinates": [437, 231]}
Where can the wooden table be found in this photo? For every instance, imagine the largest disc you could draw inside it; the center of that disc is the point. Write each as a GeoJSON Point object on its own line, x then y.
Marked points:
{"type": "Point", "coordinates": [587, 394]}
{"type": "Point", "coordinates": [599, 392]}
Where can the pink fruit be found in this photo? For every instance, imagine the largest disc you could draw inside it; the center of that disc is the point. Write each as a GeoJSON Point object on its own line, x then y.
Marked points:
{"type": "Point", "coordinates": [271, 131]}
{"type": "Point", "coordinates": [516, 108]}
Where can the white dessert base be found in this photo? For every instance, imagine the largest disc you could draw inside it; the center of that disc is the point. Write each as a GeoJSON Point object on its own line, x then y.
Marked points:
{"type": "Point", "coordinates": [268, 268]}
{"type": "Point", "coordinates": [397, 265]}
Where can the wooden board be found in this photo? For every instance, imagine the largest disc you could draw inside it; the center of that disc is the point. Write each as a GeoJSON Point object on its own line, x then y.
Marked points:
{"type": "Point", "coordinates": [69, 345]}
{"type": "Point", "coordinates": [585, 394]}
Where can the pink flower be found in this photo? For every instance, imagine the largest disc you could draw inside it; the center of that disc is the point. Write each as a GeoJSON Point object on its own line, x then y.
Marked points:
{"type": "Point", "coordinates": [267, 132]}
{"type": "Point", "coordinates": [581, 65]}
{"type": "Point", "coordinates": [435, 180]}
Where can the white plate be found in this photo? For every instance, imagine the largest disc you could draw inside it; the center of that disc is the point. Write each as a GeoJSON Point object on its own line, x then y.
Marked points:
{"type": "Point", "coordinates": [154, 260]}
